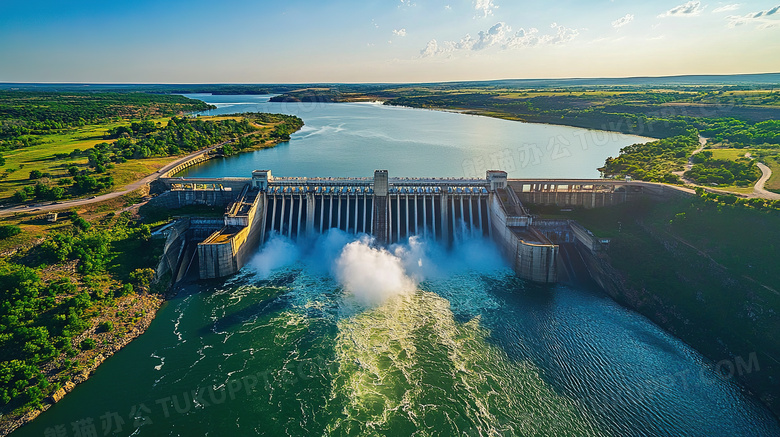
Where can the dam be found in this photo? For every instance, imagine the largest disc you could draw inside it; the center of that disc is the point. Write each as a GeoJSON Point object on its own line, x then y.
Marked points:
{"type": "Point", "coordinates": [391, 210]}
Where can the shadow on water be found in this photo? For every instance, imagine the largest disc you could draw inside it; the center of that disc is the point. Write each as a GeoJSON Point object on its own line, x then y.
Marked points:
{"type": "Point", "coordinates": [272, 301]}
{"type": "Point", "coordinates": [253, 312]}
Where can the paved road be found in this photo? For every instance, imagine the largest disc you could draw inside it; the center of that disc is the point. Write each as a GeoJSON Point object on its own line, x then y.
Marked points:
{"type": "Point", "coordinates": [759, 190]}
{"type": "Point", "coordinates": [50, 207]}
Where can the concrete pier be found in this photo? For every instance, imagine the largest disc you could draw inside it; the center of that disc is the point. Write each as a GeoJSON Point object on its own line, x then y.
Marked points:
{"type": "Point", "coordinates": [224, 252]}
{"type": "Point", "coordinates": [532, 255]}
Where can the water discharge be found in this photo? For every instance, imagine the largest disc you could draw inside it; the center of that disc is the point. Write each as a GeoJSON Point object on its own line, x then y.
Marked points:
{"type": "Point", "coordinates": [371, 274]}
{"type": "Point", "coordinates": [403, 363]}
{"type": "Point", "coordinates": [339, 336]}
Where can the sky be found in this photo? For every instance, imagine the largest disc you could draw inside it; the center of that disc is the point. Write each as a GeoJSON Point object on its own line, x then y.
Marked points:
{"type": "Point", "coordinates": [345, 41]}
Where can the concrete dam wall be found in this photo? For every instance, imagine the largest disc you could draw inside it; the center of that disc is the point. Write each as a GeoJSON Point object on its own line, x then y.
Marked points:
{"type": "Point", "coordinates": [392, 210]}
{"type": "Point", "coordinates": [409, 207]}
{"type": "Point", "coordinates": [591, 193]}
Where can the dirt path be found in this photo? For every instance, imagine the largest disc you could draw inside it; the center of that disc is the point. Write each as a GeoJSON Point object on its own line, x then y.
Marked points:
{"type": "Point", "coordinates": [689, 164]}
{"type": "Point", "coordinates": [759, 190]}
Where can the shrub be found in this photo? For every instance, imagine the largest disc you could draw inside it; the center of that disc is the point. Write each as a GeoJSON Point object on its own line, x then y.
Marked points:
{"type": "Point", "coordinates": [81, 223]}
{"type": "Point", "coordinates": [7, 231]}
{"type": "Point", "coordinates": [20, 196]}
{"type": "Point", "coordinates": [124, 290]}
{"type": "Point", "coordinates": [106, 326]}
{"type": "Point", "coordinates": [87, 344]}
{"type": "Point", "coordinates": [142, 278]}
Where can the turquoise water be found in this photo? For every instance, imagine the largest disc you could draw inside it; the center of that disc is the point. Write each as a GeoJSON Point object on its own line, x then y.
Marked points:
{"type": "Point", "coordinates": [340, 337]}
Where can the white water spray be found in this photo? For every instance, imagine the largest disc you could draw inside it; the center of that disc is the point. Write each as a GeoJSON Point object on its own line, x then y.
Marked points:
{"type": "Point", "coordinates": [371, 274]}
{"type": "Point", "coordinates": [277, 253]}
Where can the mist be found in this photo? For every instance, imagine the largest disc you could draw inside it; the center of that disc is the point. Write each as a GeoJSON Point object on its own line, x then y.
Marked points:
{"type": "Point", "coordinates": [370, 273]}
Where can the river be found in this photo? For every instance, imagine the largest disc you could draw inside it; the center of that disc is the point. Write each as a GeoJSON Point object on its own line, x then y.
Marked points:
{"type": "Point", "coordinates": [337, 336]}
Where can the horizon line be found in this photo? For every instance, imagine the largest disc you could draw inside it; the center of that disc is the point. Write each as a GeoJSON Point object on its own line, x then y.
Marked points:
{"type": "Point", "coordinates": [397, 83]}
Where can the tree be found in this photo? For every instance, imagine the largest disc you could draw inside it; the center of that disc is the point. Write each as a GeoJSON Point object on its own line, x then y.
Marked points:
{"type": "Point", "coordinates": [7, 231]}
{"type": "Point", "coordinates": [87, 344]}
{"type": "Point", "coordinates": [36, 174]}
{"type": "Point", "coordinates": [142, 278]}
{"type": "Point", "coordinates": [20, 196]}
{"type": "Point", "coordinates": [56, 193]}
{"type": "Point", "coordinates": [81, 224]}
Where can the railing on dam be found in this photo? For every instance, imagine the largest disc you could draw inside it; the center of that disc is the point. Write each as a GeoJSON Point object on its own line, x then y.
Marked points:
{"type": "Point", "coordinates": [390, 209]}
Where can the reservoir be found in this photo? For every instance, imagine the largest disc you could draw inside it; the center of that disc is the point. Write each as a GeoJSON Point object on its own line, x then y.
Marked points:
{"type": "Point", "coordinates": [336, 336]}
{"type": "Point", "coordinates": [354, 139]}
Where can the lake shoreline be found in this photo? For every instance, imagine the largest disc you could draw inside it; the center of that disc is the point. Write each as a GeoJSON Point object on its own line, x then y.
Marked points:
{"type": "Point", "coordinates": [509, 117]}
{"type": "Point", "coordinates": [151, 305]}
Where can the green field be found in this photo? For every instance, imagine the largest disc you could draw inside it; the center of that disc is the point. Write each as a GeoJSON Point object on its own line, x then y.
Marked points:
{"type": "Point", "coordinates": [43, 157]}
{"type": "Point", "coordinates": [730, 154]}
{"type": "Point", "coordinates": [127, 151]}
{"type": "Point", "coordinates": [773, 184]}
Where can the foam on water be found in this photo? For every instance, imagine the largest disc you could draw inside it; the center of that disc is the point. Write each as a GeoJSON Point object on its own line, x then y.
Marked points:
{"type": "Point", "coordinates": [402, 360]}
{"type": "Point", "coordinates": [409, 365]}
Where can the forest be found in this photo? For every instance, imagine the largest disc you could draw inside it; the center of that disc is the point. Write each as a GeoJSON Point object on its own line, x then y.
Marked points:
{"type": "Point", "coordinates": [654, 161]}
{"type": "Point", "coordinates": [42, 314]}
{"type": "Point", "coordinates": [24, 114]}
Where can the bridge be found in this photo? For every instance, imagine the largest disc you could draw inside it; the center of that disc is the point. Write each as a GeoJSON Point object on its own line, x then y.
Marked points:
{"type": "Point", "coordinates": [390, 209]}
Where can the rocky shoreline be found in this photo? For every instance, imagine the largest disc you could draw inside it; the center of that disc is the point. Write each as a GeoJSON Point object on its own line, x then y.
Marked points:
{"type": "Point", "coordinates": [148, 304]}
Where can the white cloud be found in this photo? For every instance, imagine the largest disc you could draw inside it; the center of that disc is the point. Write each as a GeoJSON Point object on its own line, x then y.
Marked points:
{"type": "Point", "coordinates": [622, 21]}
{"type": "Point", "coordinates": [501, 35]}
{"type": "Point", "coordinates": [431, 49]}
{"type": "Point", "coordinates": [485, 6]}
{"type": "Point", "coordinates": [562, 35]}
{"type": "Point", "coordinates": [399, 32]}
{"type": "Point", "coordinates": [524, 38]}
{"type": "Point", "coordinates": [763, 19]}
{"type": "Point", "coordinates": [690, 9]}
{"type": "Point", "coordinates": [726, 8]}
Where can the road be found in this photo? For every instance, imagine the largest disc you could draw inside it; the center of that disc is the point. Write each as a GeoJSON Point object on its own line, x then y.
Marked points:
{"type": "Point", "coordinates": [51, 207]}
{"type": "Point", "coordinates": [759, 190]}
{"type": "Point", "coordinates": [689, 164]}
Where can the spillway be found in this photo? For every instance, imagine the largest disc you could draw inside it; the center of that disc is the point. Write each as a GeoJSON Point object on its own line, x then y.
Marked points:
{"type": "Point", "coordinates": [392, 210]}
